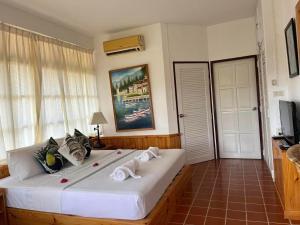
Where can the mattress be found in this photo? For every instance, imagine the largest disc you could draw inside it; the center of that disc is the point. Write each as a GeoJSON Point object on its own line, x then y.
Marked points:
{"type": "Point", "coordinates": [96, 194]}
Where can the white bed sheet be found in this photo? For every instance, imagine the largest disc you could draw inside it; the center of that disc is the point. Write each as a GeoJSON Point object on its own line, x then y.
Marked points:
{"type": "Point", "coordinates": [98, 195]}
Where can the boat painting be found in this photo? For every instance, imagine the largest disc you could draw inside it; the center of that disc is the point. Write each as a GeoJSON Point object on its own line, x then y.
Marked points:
{"type": "Point", "coordinates": [131, 96]}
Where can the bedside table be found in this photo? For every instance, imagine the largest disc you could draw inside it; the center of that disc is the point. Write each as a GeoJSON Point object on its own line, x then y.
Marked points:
{"type": "Point", "coordinates": [3, 216]}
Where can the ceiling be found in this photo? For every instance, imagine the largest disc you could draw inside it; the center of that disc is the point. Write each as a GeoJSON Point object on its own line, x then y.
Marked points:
{"type": "Point", "coordinates": [93, 17]}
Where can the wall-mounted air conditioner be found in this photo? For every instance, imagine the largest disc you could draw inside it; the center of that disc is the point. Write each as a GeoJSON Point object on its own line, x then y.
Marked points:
{"type": "Point", "coordinates": [122, 45]}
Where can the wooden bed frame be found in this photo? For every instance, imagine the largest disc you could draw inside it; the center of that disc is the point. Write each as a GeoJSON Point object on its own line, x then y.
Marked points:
{"type": "Point", "coordinates": [160, 215]}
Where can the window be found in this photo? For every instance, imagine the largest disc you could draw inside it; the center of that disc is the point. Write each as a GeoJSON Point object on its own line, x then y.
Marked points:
{"type": "Point", "coordinates": [47, 88]}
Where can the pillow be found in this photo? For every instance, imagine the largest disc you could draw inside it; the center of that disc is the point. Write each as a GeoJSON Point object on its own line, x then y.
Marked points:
{"type": "Point", "coordinates": [22, 164]}
{"type": "Point", "coordinates": [49, 157]}
{"type": "Point", "coordinates": [72, 150]}
{"type": "Point", "coordinates": [84, 141]}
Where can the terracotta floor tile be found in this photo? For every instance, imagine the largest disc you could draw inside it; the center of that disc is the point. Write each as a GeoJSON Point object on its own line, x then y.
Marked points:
{"type": "Point", "coordinates": [277, 218]}
{"type": "Point", "coordinates": [235, 222]}
{"type": "Point", "coordinates": [272, 201]}
{"type": "Point", "coordinates": [230, 190]}
{"type": "Point", "coordinates": [254, 200]}
{"type": "Point", "coordinates": [201, 203]}
{"type": "Point", "coordinates": [218, 204]}
{"type": "Point", "coordinates": [214, 221]}
{"type": "Point", "coordinates": [239, 215]}
{"type": "Point", "coordinates": [195, 220]}
{"type": "Point", "coordinates": [274, 209]}
{"type": "Point", "coordinates": [182, 209]}
{"type": "Point", "coordinates": [236, 206]}
{"type": "Point", "coordinates": [251, 207]}
{"type": "Point", "coordinates": [220, 213]}
{"type": "Point", "coordinates": [175, 223]}
{"type": "Point", "coordinates": [236, 199]}
{"type": "Point", "coordinates": [199, 211]}
{"type": "Point", "coordinates": [257, 216]}
{"type": "Point", "coordinates": [178, 218]}
{"type": "Point", "coordinates": [257, 223]}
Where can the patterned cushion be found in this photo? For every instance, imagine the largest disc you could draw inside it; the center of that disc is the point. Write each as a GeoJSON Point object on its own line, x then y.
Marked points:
{"type": "Point", "coordinates": [84, 141]}
{"type": "Point", "coordinates": [72, 150]}
{"type": "Point", "coordinates": [49, 157]}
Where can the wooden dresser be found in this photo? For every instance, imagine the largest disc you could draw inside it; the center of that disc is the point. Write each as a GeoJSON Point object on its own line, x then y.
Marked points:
{"type": "Point", "coordinates": [287, 181]}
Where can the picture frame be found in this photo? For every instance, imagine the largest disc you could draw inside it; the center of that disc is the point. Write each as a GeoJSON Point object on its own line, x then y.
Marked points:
{"type": "Point", "coordinates": [131, 98]}
{"type": "Point", "coordinates": [292, 48]}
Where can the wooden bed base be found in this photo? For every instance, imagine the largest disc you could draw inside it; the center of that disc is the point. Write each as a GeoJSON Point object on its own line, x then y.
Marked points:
{"type": "Point", "coordinates": [160, 215]}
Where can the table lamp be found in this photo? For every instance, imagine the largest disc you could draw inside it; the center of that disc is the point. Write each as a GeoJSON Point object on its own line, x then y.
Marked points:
{"type": "Point", "coordinates": [98, 119]}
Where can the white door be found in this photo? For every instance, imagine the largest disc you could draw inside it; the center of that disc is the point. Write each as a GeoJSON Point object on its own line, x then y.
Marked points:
{"type": "Point", "coordinates": [237, 109]}
{"type": "Point", "coordinates": [194, 109]}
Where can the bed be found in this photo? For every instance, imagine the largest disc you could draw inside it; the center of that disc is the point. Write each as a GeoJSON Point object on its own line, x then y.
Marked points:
{"type": "Point", "coordinates": [91, 197]}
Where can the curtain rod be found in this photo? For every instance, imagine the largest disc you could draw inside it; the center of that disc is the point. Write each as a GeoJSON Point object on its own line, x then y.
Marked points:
{"type": "Point", "coordinates": [44, 35]}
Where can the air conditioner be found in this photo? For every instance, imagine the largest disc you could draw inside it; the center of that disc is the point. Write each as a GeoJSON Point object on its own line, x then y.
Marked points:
{"type": "Point", "coordinates": [122, 45]}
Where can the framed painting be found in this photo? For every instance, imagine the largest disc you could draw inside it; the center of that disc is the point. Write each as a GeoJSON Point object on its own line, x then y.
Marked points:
{"type": "Point", "coordinates": [131, 97]}
{"type": "Point", "coordinates": [292, 49]}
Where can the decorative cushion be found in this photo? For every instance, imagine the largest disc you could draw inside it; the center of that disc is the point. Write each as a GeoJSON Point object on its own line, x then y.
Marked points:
{"type": "Point", "coordinates": [84, 141]}
{"type": "Point", "coordinates": [72, 150]}
{"type": "Point", "coordinates": [49, 157]}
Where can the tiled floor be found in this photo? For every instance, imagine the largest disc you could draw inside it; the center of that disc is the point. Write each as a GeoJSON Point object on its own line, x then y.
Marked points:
{"type": "Point", "coordinates": [231, 192]}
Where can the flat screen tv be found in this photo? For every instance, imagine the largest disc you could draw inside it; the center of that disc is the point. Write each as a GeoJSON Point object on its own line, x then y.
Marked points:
{"type": "Point", "coordinates": [289, 122]}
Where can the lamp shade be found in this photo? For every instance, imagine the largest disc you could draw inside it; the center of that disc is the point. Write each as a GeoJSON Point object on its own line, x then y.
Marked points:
{"type": "Point", "coordinates": [98, 118]}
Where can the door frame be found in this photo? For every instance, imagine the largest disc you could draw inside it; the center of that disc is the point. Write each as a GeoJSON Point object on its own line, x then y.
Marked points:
{"type": "Point", "coordinates": [212, 63]}
{"type": "Point", "coordinates": [210, 94]}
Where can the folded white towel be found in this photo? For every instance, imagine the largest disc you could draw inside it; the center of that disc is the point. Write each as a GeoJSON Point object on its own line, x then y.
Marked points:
{"type": "Point", "coordinates": [151, 152]}
{"type": "Point", "coordinates": [122, 172]}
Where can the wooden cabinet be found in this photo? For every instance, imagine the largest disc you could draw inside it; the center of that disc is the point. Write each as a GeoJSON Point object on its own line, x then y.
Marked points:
{"type": "Point", "coordinates": [3, 218]}
{"type": "Point", "coordinates": [278, 169]}
{"type": "Point", "coordinates": [287, 181]}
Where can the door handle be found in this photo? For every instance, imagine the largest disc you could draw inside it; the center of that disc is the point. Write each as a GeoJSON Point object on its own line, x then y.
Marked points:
{"type": "Point", "coordinates": [254, 108]}
{"type": "Point", "coordinates": [181, 115]}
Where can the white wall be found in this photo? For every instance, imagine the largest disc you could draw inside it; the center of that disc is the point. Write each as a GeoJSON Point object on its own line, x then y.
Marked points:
{"type": "Point", "coordinates": [187, 42]}
{"type": "Point", "coordinates": [28, 21]}
{"type": "Point", "coordinates": [275, 15]}
{"type": "Point", "coordinates": [166, 43]}
{"type": "Point", "coordinates": [181, 43]}
{"type": "Point", "coordinates": [154, 57]}
{"type": "Point", "coordinates": [232, 39]}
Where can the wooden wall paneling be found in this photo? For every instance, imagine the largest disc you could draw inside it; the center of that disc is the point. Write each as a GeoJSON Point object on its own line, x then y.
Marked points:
{"type": "Point", "coordinates": [144, 141]}
{"type": "Point", "coordinates": [4, 171]}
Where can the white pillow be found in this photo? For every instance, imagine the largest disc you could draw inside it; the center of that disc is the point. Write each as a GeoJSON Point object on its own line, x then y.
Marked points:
{"type": "Point", "coordinates": [22, 164]}
{"type": "Point", "coordinates": [72, 150]}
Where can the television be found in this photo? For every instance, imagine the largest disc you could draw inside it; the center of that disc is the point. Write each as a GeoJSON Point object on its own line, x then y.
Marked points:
{"type": "Point", "coordinates": [288, 120]}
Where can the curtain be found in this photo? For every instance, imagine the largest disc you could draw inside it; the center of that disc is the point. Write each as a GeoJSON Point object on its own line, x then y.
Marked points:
{"type": "Point", "coordinates": [47, 88]}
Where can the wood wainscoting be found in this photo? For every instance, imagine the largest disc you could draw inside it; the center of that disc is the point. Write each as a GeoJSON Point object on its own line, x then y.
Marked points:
{"type": "Point", "coordinates": [168, 141]}
{"type": "Point", "coordinates": [4, 171]}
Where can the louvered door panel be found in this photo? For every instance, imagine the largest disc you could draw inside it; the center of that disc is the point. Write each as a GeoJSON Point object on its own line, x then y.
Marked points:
{"type": "Point", "coordinates": [193, 100]}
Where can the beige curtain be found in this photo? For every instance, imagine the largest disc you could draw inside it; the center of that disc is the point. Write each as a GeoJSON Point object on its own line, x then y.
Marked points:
{"type": "Point", "coordinates": [47, 88]}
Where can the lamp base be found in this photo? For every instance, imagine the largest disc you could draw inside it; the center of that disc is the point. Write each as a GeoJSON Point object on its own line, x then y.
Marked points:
{"type": "Point", "coordinates": [98, 144]}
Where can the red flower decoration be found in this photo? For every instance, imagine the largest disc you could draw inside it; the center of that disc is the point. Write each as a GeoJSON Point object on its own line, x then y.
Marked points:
{"type": "Point", "coordinates": [95, 164]}
{"type": "Point", "coordinates": [64, 180]}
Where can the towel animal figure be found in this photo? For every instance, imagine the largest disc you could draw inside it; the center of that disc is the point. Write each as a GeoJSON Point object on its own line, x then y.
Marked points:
{"type": "Point", "coordinates": [122, 172]}
{"type": "Point", "coordinates": [150, 153]}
